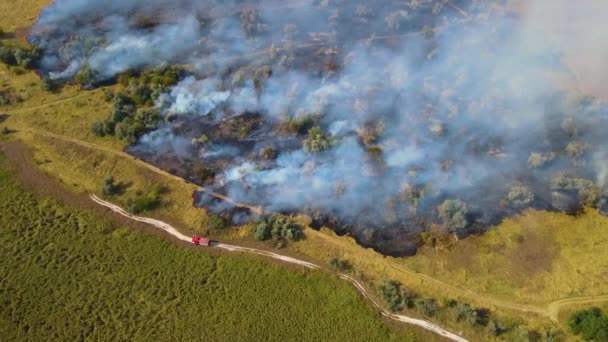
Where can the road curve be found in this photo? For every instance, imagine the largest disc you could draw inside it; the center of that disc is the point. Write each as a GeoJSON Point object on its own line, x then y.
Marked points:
{"type": "Point", "coordinates": [174, 232]}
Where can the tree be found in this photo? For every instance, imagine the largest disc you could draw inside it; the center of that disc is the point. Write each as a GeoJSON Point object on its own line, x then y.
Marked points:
{"type": "Point", "coordinates": [520, 196]}
{"type": "Point", "coordinates": [591, 324]}
{"type": "Point", "coordinates": [50, 85]}
{"type": "Point", "coordinates": [588, 193]}
{"type": "Point", "coordinates": [145, 202]}
{"type": "Point", "coordinates": [394, 296]}
{"type": "Point", "coordinates": [453, 214]}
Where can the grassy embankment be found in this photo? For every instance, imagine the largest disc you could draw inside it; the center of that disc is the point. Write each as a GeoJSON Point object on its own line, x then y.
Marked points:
{"type": "Point", "coordinates": [70, 275]}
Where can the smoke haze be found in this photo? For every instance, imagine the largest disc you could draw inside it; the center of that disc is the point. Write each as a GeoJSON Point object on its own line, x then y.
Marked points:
{"type": "Point", "coordinates": [411, 95]}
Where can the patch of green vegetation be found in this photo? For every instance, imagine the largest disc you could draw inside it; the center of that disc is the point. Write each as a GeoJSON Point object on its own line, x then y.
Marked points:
{"type": "Point", "coordinates": [69, 275]}
{"type": "Point", "coordinates": [591, 324]}
{"type": "Point", "coordinates": [279, 228]}
{"type": "Point", "coordinates": [145, 202]}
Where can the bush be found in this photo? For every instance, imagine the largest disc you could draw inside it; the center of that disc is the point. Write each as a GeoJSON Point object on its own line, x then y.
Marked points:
{"type": "Point", "coordinates": [268, 153]}
{"type": "Point", "coordinates": [278, 227]}
{"type": "Point", "coordinates": [109, 188]}
{"type": "Point", "coordinates": [426, 306]}
{"type": "Point", "coordinates": [520, 196]}
{"type": "Point", "coordinates": [453, 214]}
{"type": "Point", "coordinates": [340, 265]}
{"type": "Point", "coordinates": [588, 193]}
{"type": "Point", "coordinates": [591, 324]}
{"type": "Point", "coordinates": [317, 141]}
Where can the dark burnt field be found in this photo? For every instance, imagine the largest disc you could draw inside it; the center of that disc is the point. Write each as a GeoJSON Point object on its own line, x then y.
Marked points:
{"type": "Point", "coordinates": [380, 120]}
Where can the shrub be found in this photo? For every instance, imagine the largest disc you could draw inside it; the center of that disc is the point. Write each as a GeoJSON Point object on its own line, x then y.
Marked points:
{"type": "Point", "coordinates": [340, 265]}
{"type": "Point", "coordinates": [109, 188]}
{"type": "Point", "coordinates": [316, 141]}
{"type": "Point", "coordinates": [453, 214]}
{"type": "Point", "coordinates": [576, 150]}
{"type": "Point", "coordinates": [536, 159]}
{"type": "Point", "coordinates": [588, 193]}
{"type": "Point", "coordinates": [591, 324]}
{"type": "Point", "coordinates": [86, 77]}
{"type": "Point", "coordinates": [395, 297]}
{"type": "Point", "coordinates": [426, 306]}
{"type": "Point", "coordinates": [268, 153]}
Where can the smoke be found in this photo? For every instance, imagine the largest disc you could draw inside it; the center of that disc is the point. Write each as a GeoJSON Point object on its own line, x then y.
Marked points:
{"type": "Point", "coordinates": [410, 95]}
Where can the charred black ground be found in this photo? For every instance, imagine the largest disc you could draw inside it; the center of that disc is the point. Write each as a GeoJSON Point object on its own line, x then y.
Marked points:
{"type": "Point", "coordinates": [380, 120]}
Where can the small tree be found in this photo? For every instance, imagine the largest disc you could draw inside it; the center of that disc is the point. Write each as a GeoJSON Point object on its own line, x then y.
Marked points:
{"type": "Point", "coordinates": [427, 306]}
{"type": "Point", "coordinates": [86, 77]}
{"type": "Point", "coordinates": [591, 324]}
{"type": "Point", "coordinates": [453, 214]}
{"type": "Point", "coordinates": [268, 153]}
{"type": "Point", "coordinates": [576, 150]}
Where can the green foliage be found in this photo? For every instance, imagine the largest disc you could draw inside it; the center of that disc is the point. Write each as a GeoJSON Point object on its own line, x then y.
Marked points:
{"type": "Point", "coordinates": [68, 275]}
{"type": "Point", "coordinates": [591, 324]}
{"type": "Point", "coordinates": [453, 214]}
{"type": "Point", "coordinates": [145, 202]}
{"type": "Point", "coordinates": [467, 313]}
{"type": "Point", "coordinates": [317, 141]}
{"type": "Point", "coordinates": [520, 196]}
{"type": "Point", "coordinates": [412, 194]}
{"type": "Point", "coordinates": [50, 85]}
{"type": "Point", "coordinates": [588, 193]}
{"type": "Point", "coordinates": [340, 264]}
{"type": "Point", "coordinates": [278, 227]}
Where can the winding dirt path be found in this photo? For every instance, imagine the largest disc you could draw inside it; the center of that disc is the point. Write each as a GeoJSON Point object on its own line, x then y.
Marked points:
{"type": "Point", "coordinates": [233, 248]}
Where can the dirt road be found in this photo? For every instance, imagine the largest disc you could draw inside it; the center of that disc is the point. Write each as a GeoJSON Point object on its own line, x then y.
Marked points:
{"type": "Point", "coordinates": [233, 248]}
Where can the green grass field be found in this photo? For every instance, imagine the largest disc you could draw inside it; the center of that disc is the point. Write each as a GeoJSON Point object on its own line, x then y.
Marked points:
{"type": "Point", "coordinates": [69, 275]}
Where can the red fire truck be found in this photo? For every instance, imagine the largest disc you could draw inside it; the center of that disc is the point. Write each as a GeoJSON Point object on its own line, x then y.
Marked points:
{"type": "Point", "coordinates": [200, 241]}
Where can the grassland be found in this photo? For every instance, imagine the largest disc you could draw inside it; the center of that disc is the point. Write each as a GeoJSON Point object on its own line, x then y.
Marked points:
{"type": "Point", "coordinates": [69, 275]}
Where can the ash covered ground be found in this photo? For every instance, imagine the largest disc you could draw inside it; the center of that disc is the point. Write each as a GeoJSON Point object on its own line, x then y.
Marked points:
{"type": "Point", "coordinates": [379, 119]}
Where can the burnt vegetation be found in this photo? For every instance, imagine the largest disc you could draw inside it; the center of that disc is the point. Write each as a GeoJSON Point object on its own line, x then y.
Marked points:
{"type": "Point", "coordinates": [389, 121]}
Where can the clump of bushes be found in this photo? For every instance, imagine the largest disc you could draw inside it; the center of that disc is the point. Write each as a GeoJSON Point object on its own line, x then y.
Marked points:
{"type": "Point", "coordinates": [300, 124]}
{"type": "Point", "coordinates": [268, 153]}
{"type": "Point", "coordinates": [317, 141]}
{"type": "Point", "coordinates": [145, 202]}
{"type": "Point", "coordinates": [588, 193]}
{"type": "Point", "coordinates": [278, 227]}
{"type": "Point", "coordinates": [453, 214]}
{"type": "Point", "coordinates": [591, 324]}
